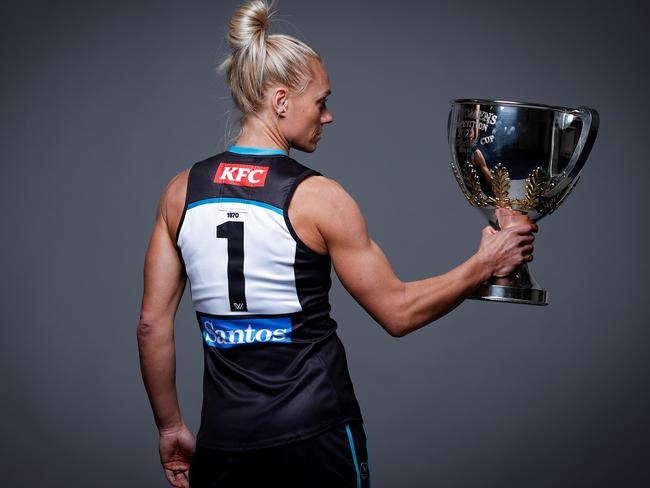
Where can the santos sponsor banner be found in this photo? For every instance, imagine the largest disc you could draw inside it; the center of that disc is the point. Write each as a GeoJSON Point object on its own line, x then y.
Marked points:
{"type": "Point", "coordinates": [241, 332]}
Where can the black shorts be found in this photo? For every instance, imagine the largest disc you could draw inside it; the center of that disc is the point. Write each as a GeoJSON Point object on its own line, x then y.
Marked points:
{"type": "Point", "coordinates": [337, 458]}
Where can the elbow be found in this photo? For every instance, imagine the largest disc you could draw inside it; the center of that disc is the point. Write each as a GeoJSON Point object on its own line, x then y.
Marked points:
{"type": "Point", "coordinates": [400, 321]}
{"type": "Point", "coordinates": [397, 326]}
{"type": "Point", "coordinates": [155, 327]}
{"type": "Point", "coordinates": [149, 328]}
{"type": "Point", "coordinates": [144, 331]}
{"type": "Point", "coordinates": [408, 325]}
{"type": "Point", "coordinates": [396, 331]}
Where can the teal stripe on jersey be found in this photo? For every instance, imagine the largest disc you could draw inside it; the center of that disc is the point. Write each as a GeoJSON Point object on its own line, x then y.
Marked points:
{"type": "Point", "coordinates": [354, 455]}
{"type": "Point", "coordinates": [236, 200]}
{"type": "Point", "coordinates": [256, 151]}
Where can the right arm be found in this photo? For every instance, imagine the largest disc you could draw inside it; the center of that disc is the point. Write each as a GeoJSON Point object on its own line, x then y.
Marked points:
{"type": "Point", "coordinates": [336, 226]}
{"type": "Point", "coordinates": [164, 282]}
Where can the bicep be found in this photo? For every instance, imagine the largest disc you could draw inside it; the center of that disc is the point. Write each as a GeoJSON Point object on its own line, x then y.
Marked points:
{"type": "Point", "coordinates": [360, 263]}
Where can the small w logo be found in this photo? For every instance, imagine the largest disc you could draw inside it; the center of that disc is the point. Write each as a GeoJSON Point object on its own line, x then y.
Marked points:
{"type": "Point", "coordinates": [364, 471]}
{"type": "Point", "coordinates": [238, 305]}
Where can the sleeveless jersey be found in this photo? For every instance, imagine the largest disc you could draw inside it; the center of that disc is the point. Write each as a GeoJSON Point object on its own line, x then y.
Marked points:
{"type": "Point", "coordinates": [275, 370]}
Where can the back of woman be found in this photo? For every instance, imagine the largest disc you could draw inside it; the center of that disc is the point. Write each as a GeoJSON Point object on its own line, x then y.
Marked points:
{"type": "Point", "coordinates": [275, 369]}
{"type": "Point", "coordinates": [277, 393]}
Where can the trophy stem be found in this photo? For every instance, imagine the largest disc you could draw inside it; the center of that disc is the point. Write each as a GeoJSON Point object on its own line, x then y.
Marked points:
{"type": "Point", "coordinates": [518, 287]}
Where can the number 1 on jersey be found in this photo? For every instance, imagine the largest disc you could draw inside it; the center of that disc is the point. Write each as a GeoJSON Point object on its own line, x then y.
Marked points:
{"type": "Point", "coordinates": [234, 232]}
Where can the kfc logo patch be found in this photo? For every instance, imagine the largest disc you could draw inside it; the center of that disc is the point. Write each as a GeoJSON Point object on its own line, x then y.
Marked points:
{"type": "Point", "coordinates": [241, 174]}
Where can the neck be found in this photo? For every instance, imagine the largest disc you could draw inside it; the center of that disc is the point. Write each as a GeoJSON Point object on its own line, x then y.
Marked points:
{"type": "Point", "coordinates": [258, 132]}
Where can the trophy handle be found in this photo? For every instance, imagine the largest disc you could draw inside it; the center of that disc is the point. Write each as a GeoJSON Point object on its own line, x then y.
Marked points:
{"type": "Point", "coordinates": [590, 122]}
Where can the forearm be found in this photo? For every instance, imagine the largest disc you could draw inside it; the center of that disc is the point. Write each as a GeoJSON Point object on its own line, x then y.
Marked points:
{"type": "Point", "coordinates": [426, 300]}
{"type": "Point", "coordinates": [158, 368]}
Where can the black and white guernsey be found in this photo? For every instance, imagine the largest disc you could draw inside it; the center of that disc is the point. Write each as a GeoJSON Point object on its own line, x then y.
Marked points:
{"type": "Point", "coordinates": [274, 368]}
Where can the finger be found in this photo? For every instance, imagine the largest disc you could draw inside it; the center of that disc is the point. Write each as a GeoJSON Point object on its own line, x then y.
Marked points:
{"type": "Point", "coordinates": [527, 250]}
{"type": "Point", "coordinates": [528, 258]}
{"type": "Point", "coordinates": [523, 229]}
{"type": "Point", "coordinates": [172, 478]}
{"type": "Point", "coordinates": [534, 226]}
{"type": "Point", "coordinates": [527, 228]}
{"type": "Point", "coordinates": [184, 479]}
{"type": "Point", "coordinates": [527, 239]}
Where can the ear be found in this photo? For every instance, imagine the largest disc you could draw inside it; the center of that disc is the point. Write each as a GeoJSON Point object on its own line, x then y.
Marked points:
{"type": "Point", "coordinates": [279, 101]}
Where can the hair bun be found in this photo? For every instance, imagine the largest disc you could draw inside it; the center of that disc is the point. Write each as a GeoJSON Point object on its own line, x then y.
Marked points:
{"type": "Point", "coordinates": [257, 58]}
{"type": "Point", "coordinates": [248, 24]}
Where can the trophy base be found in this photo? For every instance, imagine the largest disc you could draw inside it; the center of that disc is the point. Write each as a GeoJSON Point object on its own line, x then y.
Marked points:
{"type": "Point", "coordinates": [511, 294]}
{"type": "Point", "coordinates": [519, 287]}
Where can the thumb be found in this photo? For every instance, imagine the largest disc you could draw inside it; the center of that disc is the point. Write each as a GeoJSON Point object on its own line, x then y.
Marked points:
{"type": "Point", "coordinates": [488, 231]}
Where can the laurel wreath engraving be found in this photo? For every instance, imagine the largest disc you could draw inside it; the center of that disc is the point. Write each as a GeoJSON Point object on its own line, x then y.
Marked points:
{"type": "Point", "coordinates": [536, 186]}
{"type": "Point", "coordinates": [476, 196]}
{"type": "Point", "coordinates": [500, 186]}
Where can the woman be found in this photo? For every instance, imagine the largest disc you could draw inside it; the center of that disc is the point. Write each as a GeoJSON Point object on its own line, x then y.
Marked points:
{"type": "Point", "coordinates": [256, 233]}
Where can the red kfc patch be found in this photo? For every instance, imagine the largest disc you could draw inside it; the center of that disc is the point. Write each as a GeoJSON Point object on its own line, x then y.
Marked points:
{"type": "Point", "coordinates": [241, 174]}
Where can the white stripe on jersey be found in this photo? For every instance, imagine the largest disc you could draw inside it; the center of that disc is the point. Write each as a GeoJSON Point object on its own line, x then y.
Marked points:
{"type": "Point", "coordinates": [269, 255]}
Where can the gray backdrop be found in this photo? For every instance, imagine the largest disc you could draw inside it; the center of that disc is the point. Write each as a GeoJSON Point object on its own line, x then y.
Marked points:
{"type": "Point", "coordinates": [103, 102]}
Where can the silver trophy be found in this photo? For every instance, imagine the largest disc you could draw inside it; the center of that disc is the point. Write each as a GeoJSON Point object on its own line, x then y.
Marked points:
{"type": "Point", "coordinates": [511, 158]}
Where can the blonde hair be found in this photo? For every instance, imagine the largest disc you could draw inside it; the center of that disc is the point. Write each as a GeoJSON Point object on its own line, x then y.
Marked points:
{"type": "Point", "coordinates": [259, 60]}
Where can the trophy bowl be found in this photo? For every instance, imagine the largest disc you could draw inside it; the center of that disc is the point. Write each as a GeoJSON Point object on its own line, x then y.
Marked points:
{"type": "Point", "coordinates": [517, 158]}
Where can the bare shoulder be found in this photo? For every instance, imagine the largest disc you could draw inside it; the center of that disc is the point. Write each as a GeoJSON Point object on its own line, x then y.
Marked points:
{"type": "Point", "coordinates": [321, 209]}
{"type": "Point", "coordinates": [172, 201]}
{"type": "Point", "coordinates": [323, 193]}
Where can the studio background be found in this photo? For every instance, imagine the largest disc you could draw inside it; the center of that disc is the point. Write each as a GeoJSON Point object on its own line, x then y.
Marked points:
{"type": "Point", "coordinates": [104, 102]}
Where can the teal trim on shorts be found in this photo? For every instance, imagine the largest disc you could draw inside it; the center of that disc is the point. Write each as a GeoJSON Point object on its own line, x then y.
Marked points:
{"type": "Point", "coordinates": [354, 455]}
{"type": "Point", "coordinates": [367, 452]}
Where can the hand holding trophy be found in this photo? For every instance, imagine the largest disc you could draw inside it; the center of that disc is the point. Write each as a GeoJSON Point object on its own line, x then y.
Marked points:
{"type": "Point", "coordinates": [513, 160]}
